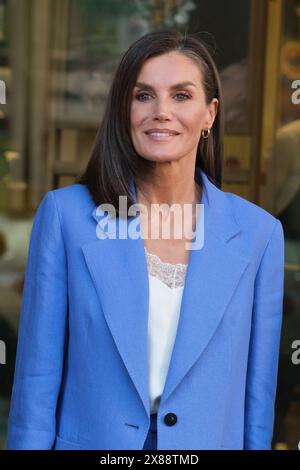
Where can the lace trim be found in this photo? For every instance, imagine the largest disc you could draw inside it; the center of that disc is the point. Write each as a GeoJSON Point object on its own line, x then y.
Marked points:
{"type": "Point", "coordinates": [173, 275]}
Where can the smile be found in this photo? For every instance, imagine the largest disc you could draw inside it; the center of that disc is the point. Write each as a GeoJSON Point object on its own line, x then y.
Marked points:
{"type": "Point", "coordinates": [161, 136]}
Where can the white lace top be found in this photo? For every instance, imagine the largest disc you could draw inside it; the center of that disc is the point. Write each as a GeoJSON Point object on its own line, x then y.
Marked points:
{"type": "Point", "coordinates": [173, 275]}
{"type": "Point", "coordinates": [166, 284]}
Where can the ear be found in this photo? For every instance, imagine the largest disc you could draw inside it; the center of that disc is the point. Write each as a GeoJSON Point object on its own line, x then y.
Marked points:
{"type": "Point", "coordinates": [212, 110]}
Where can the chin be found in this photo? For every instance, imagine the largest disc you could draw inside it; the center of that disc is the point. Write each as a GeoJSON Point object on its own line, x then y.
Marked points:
{"type": "Point", "coordinates": [162, 158]}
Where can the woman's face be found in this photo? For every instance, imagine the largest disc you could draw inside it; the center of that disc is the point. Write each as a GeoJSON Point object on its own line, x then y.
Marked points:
{"type": "Point", "coordinates": [158, 102]}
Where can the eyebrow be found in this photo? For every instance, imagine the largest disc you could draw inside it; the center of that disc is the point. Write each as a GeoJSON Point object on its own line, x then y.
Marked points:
{"type": "Point", "coordinates": [146, 86]}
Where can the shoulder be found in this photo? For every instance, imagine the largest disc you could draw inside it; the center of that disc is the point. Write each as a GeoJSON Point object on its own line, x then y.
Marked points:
{"type": "Point", "coordinates": [258, 226]}
{"type": "Point", "coordinates": [74, 192]}
{"type": "Point", "coordinates": [246, 212]}
{"type": "Point", "coordinates": [235, 209]}
{"type": "Point", "coordinates": [75, 197]}
{"type": "Point", "coordinates": [66, 206]}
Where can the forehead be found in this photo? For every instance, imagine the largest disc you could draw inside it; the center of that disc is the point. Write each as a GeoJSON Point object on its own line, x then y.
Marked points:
{"type": "Point", "coordinates": [170, 68]}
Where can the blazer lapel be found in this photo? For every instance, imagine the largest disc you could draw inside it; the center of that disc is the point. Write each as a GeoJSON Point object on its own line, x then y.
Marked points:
{"type": "Point", "coordinates": [119, 272]}
{"type": "Point", "coordinates": [212, 276]}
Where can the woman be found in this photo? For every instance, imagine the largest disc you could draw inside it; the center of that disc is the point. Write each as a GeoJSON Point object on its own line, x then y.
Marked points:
{"type": "Point", "coordinates": [135, 342]}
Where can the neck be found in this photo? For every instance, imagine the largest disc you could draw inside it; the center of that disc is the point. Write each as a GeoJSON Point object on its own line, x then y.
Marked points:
{"type": "Point", "coordinates": [169, 185]}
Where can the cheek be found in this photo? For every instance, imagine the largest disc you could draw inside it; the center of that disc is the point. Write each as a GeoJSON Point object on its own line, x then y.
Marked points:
{"type": "Point", "coordinates": [191, 112]}
{"type": "Point", "coordinates": [137, 115]}
{"type": "Point", "coordinates": [191, 120]}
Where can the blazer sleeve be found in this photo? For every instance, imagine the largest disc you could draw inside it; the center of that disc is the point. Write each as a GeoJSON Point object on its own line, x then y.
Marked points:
{"type": "Point", "coordinates": [264, 345]}
{"type": "Point", "coordinates": [42, 334]}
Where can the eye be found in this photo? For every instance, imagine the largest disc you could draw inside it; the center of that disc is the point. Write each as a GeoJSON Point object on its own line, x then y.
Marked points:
{"type": "Point", "coordinates": [186, 96]}
{"type": "Point", "coordinates": [140, 96]}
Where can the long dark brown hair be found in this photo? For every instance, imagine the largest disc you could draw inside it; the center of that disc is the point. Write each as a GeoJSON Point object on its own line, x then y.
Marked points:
{"type": "Point", "coordinates": [114, 161]}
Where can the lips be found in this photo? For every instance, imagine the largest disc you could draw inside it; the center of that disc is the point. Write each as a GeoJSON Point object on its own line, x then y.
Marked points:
{"type": "Point", "coordinates": [162, 131]}
{"type": "Point", "coordinates": [160, 136]}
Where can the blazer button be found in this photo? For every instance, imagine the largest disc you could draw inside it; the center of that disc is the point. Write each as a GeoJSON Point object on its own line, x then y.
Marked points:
{"type": "Point", "coordinates": [170, 419]}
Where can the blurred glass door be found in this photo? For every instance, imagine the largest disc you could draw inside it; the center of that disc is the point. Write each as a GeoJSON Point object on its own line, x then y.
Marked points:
{"type": "Point", "coordinates": [282, 198]}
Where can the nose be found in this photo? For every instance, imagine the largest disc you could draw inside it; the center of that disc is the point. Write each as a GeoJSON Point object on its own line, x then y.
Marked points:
{"type": "Point", "coordinates": [162, 109]}
{"type": "Point", "coordinates": [162, 116]}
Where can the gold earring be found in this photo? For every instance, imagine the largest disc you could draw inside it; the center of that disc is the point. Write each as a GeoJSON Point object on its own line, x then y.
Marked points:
{"type": "Point", "coordinates": [205, 133]}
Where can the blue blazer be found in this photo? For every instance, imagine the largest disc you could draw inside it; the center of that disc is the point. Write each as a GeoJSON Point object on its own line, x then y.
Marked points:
{"type": "Point", "coordinates": [81, 374]}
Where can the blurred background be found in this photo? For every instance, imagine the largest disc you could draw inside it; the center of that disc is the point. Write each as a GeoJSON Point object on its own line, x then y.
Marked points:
{"type": "Point", "coordinates": [57, 60]}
